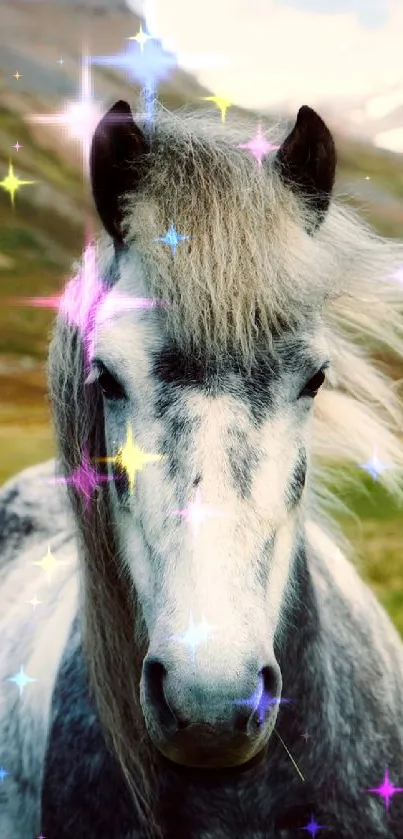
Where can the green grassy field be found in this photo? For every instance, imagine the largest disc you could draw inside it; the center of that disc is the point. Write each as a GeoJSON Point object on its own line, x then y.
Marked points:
{"type": "Point", "coordinates": [37, 244]}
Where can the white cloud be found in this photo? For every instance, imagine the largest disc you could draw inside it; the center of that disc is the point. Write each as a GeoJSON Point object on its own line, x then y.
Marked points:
{"type": "Point", "coordinates": [380, 106]}
{"type": "Point", "coordinates": [278, 53]}
{"type": "Point", "coordinates": [392, 140]}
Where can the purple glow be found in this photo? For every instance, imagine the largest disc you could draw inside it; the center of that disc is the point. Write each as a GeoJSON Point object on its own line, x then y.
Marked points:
{"type": "Point", "coordinates": [260, 701]}
{"type": "Point", "coordinates": [85, 479]}
{"type": "Point", "coordinates": [313, 827]}
{"type": "Point", "coordinates": [386, 790]}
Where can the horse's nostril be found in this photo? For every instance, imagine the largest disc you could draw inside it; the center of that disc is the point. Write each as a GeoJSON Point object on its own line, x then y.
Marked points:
{"type": "Point", "coordinates": [154, 674]}
{"type": "Point", "coordinates": [247, 715]}
{"type": "Point", "coordinates": [271, 679]}
{"type": "Point", "coordinates": [252, 713]}
{"type": "Point", "coordinates": [242, 718]}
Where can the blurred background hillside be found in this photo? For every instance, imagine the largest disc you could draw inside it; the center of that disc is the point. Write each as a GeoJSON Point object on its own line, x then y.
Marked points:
{"type": "Point", "coordinates": [41, 48]}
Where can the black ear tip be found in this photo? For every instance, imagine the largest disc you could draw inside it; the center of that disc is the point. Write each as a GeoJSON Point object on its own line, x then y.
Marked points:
{"type": "Point", "coordinates": [305, 111]}
{"type": "Point", "coordinates": [119, 113]}
{"type": "Point", "coordinates": [310, 118]}
{"type": "Point", "coordinates": [120, 107]}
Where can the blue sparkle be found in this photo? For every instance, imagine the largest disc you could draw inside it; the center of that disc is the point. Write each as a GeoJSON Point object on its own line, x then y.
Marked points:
{"type": "Point", "coordinates": [260, 701]}
{"type": "Point", "coordinates": [374, 467]}
{"type": "Point", "coordinates": [172, 238]}
{"type": "Point", "coordinates": [3, 774]}
{"type": "Point", "coordinates": [313, 827]}
{"type": "Point", "coordinates": [147, 67]}
{"type": "Point", "coordinates": [21, 680]}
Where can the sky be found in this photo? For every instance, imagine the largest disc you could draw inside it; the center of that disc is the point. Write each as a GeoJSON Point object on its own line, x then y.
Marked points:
{"type": "Point", "coordinates": [295, 51]}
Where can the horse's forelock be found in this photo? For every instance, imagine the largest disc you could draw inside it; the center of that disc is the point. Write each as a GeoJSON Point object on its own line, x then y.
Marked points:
{"type": "Point", "coordinates": [232, 271]}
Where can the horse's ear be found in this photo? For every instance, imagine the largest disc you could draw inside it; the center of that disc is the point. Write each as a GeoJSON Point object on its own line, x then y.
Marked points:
{"type": "Point", "coordinates": [117, 148]}
{"type": "Point", "coordinates": [307, 161]}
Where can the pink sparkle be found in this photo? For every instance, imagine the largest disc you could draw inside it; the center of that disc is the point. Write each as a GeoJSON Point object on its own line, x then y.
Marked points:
{"type": "Point", "coordinates": [87, 303]}
{"type": "Point", "coordinates": [258, 146]}
{"type": "Point", "coordinates": [399, 275]}
{"type": "Point", "coordinates": [386, 790]}
{"type": "Point", "coordinates": [114, 303]}
{"type": "Point", "coordinates": [85, 479]}
{"type": "Point", "coordinates": [79, 117]}
{"type": "Point", "coordinates": [17, 146]}
{"type": "Point", "coordinates": [51, 302]}
{"type": "Point", "coordinates": [196, 513]}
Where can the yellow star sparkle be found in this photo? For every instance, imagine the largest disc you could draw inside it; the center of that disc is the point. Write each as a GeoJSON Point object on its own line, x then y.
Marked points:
{"type": "Point", "coordinates": [48, 563]}
{"type": "Point", "coordinates": [132, 459]}
{"type": "Point", "coordinates": [141, 38]}
{"type": "Point", "coordinates": [17, 75]}
{"type": "Point", "coordinates": [12, 182]}
{"type": "Point", "coordinates": [222, 104]}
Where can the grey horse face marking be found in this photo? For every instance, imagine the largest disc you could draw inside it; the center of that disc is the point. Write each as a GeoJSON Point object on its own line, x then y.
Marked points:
{"type": "Point", "coordinates": [233, 443]}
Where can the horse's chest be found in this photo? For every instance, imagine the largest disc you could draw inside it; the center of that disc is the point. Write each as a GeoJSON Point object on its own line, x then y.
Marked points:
{"type": "Point", "coordinates": [83, 789]}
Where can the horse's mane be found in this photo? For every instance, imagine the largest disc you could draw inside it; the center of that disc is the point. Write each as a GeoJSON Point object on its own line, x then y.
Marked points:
{"type": "Point", "coordinates": [249, 255]}
{"type": "Point", "coordinates": [248, 261]}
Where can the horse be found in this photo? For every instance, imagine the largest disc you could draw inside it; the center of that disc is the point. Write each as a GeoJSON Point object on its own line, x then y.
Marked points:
{"type": "Point", "coordinates": [204, 661]}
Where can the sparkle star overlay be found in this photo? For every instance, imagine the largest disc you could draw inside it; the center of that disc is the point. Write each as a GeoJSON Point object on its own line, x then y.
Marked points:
{"type": "Point", "coordinates": [21, 680]}
{"type": "Point", "coordinates": [34, 602]}
{"type": "Point", "coordinates": [221, 102]}
{"type": "Point", "coordinates": [85, 479]}
{"type": "Point", "coordinates": [172, 238]}
{"type": "Point", "coordinates": [196, 513]}
{"type": "Point", "coordinates": [374, 467]}
{"type": "Point", "coordinates": [147, 63]}
{"type": "Point", "coordinates": [398, 275]}
{"type": "Point", "coordinates": [195, 635]}
{"type": "Point", "coordinates": [131, 459]}
{"type": "Point", "coordinates": [87, 303]}
{"type": "Point", "coordinates": [11, 183]}
{"type": "Point", "coordinates": [260, 701]}
{"type": "Point", "coordinates": [313, 827]}
{"type": "Point", "coordinates": [3, 774]}
{"type": "Point", "coordinates": [386, 790]}
{"type": "Point", "coordinates": [48, 564]}
{"type": "Point", "coordinates": [258, 146]}
{"type": "Point", "coordinates": [80, 117]}
{"type": "Point", "coordinates": [141, 38]}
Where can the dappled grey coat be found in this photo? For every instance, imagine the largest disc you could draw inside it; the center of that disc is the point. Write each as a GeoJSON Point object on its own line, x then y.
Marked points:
{"type": "Point", "coordinates": [342, 669]}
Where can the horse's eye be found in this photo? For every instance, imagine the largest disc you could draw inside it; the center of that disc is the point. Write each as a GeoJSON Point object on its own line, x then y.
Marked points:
{"type": "Point", "coordinates": [315, 383]}
{"type": "Point", "coordinates": [111, 388]}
